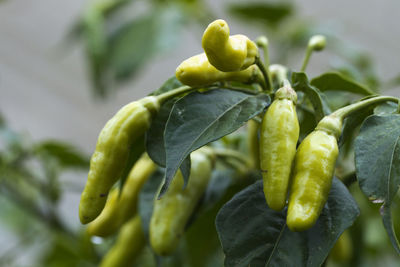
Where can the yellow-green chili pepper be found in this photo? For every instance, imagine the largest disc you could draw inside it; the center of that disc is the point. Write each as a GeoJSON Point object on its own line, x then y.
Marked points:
{"type": "Point", "coordinates": [172, 212]}
{"type": "Point", "coordinates": [122, 207]}
{"type": "Point", "coordinates": [313, 172]}
{"type": "Point", "coordinates": [278, 140]}
{"type": "Point", "coordinates": [253, 143]}
{"type": "Point", "coordinates": [228, 53]}
{"type": "Point", "coordinates": [197, 71]}
{"type": "Point", "coordinates": [342, 251]}
{"type": "Point", "coordinates": [111, 154]}
{"type": "Point", "coordinates": [129, 244]}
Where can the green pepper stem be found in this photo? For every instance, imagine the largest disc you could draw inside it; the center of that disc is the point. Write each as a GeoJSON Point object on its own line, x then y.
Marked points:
{"type": "Point", "coordinates": [176, 92]}
{"type": "Point", "coordinates": [348, 110]}
{"type": "Point", "coordinates": [268, 85]}
{"type": "Point", "coordinates": [263, 43]}
{"type": "Point", "coordinates": [229, 153]}
{"type": "Point", "coordinates": [306, 59]}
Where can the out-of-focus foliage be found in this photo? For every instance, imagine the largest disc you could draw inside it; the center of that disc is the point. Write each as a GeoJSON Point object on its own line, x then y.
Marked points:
{"type": "Point", "coordinates": [122, 36]}
{"type": "Point", "coordinates": [30, 193]}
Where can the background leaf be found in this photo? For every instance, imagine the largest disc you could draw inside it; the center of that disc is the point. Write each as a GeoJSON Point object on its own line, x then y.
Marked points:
{"type": "Point", "coordinates": [300, 83]}
{"type": "Point", "coordinates": [251, 234]}
{"type": "Point", "coordinates": [200, 118]}
{"type": "Point", "coordinates": [267, 13]}
{"type": "Point", "coordinates": [334, 81]}
{"type": "Point", "coordinates": [64, 153]}
{"type": "Point", "coordinates": [155, 135]}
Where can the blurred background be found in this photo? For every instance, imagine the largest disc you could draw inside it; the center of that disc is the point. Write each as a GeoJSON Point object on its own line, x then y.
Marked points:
{"type": "Point", "coordinates": [67, 66]}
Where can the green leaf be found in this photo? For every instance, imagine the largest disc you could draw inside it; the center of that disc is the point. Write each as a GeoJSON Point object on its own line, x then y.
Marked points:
{"type": "Point", "coordinates": [2, 121]}
{"type": "Point", "coordinates": [386, 108]}
{"type": "Point", "coordinates": [388, 224]}
{"type": "Point", "coordinates": [377, 157]}
{"type": "Point", "coordinates": [377, 160]}
{"type": "Point", "coordinates": [251, 234]}
{"type": "Point", "coordinates": [306, 118]}
{"type": "Point", "coordinates": [135, 43]}
{"type": "Point", "coordinates": [132, 45]}
{"type": "Point", "coordinates": [219, 183]}
{"type": "Point", "coordinates": [350, 125]}
{"type": "Point", "coordinates": [268, 13]}
{"type": "Point", "coordinates": [334, 81]}
{"type": "Point", "coordinates": [155, 135]}
{"type": "Point", "coordinates": [65, 154]}
{"type": "Point", "coordinates": [171, 84]}
{"type": "Point", "coordinates": [96, 49]}
{"type": "Point", "coordinates": [300, 83]}
{"type": "Point", "coordinates": [185, 169]}
{"type": "Point", "coordinates": [200, 118]}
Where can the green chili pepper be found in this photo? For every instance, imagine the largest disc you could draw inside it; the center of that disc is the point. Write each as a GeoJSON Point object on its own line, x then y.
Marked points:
{"type": "Point", "coordinates": [228, 53]}
{"type": "Point", "coordinates": [122, 206]}
{"type": "Point", "coordinates": [129, 244]}
{"type": "Point", "coordinates": [172, 212]}
{"type": "Point", "coordinates": [313, 172]}
{"type": "Point", "coordinates": [197, 71]}
{"type": "Point", "coordinates": [112, 151]}
{"type": "Point", "coordinates": [278, 139]}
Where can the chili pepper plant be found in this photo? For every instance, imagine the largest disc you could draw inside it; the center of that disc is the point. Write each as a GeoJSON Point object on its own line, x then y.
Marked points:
{"type": "Point", "coordinates": [251, 163]}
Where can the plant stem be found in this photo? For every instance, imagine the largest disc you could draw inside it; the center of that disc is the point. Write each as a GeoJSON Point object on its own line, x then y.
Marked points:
{"type": "Point", "coordinates": [268, 85]}
{"type": "Point", "coordinates": [263, 43]}
{"type": "Point", "coordinates": [230, 153]}
{"type": "Point", "coordinates": [306, 59]}
{"type": "Point", "coordinates": [178, 91]}
{"type": "Point", "coordinates": [348, 110]}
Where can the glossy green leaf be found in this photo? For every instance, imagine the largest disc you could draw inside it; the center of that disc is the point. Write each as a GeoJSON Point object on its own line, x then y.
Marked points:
{"type": "Point", "coordinates": [219, 183]}
{"type": "Point", "coordinates": [268, 13]}
{"type": "Point", "coordinates": [300, 83]}
{"type": "Point", "coordinates": [200, 118]}
{"type": "Point", "coordinates": [351, 125]}
{"type": "Point", "coordinates": [155, 135]}
{"type": "Point", "coordinates": [389, 226]}
{"type": "Point", "coordinates": [386, 108]}
{"type": "Point", "coordinates": [377, 157]}
{"type": "Point", "coordinates": [185, 169]}
{"type": "Point", "coordinates": [377, 160]}
{"type": "Point", "coordinates": [251, 234]}
{"type": "Point", "coordinates": [334, 81]}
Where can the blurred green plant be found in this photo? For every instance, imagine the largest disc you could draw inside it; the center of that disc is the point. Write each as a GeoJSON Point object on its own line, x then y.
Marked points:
{"type": "Point", "coordinates": [30, 196]}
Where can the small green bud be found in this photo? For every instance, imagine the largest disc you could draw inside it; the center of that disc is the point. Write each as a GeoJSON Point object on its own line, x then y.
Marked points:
{"type": "Point", "coordinates": [262, 41]}
{"type": "Point", "coordinates": [317, 42]}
